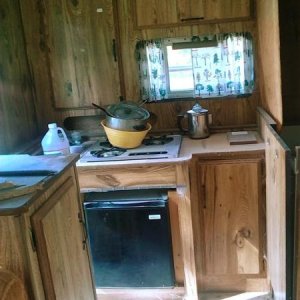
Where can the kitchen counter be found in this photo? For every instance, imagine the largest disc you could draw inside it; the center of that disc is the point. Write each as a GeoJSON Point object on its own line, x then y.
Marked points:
{"type": "Point", "coordinates": [216, 144]}
{"type": "Point", "coordinates": [34, 180]}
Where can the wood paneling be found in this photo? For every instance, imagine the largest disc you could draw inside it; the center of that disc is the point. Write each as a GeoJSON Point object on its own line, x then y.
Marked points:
{"type": "Point", "coordinates": [227, 9]}
{"type": "Point", "coordinates": [176, 237]}
{"type": "Point", "coordinates": [187, 231]}
{"type": "Point", "coordinates": [155, 12]}
{"type": "Point", "coordinates": [229, 223]}
{"type": "Point", "coordinates": [269, 58]}
{"type": "Point", "coordinates": [111, 178]}
{"type": "Point", "coordinates": [12, 254]}
{"type": "Point", "coordinates": [79, 38]}
{"type": "Point", "coordinates": [182, 12]}
{"type": "Point", "coordinates": [225, 112]}
{"type": "Point", "coordinates": [34, 20]}
{"type": "Point", "coordinates": [63, 262]}
{"type": "Point", "coordinates": [17, 109]}
{"type": "Point", "coordinates": [276, 212]}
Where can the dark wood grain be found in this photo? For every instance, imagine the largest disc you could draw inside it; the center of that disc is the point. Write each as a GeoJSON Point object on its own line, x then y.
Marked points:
{"type": "Point", "coordinates": [17, 108]}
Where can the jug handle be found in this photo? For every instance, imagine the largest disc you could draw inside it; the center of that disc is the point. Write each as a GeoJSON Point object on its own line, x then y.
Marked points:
{"type": "Point", "coordinates": [179, 122]}
{"type": "Point", "coordinates": [60, 130]}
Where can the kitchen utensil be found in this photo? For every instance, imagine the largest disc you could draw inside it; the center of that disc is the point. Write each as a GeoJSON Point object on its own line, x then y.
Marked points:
{"type": "Point", "coordinates": [197, 122]}
{"type": "Point", "coordinates": [125, 139]}
{"type": "Point", "coordinates": [127, 116]}
{"type": "Point", "coordinates": [103, 109]}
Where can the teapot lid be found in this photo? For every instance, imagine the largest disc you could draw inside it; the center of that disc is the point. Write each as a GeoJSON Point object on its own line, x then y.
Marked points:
{"type": "Point", "coordinates": [198, 109]}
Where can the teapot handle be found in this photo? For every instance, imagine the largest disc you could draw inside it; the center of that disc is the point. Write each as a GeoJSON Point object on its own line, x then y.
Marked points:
{"type": "Point", "coordinates": [179, 122]}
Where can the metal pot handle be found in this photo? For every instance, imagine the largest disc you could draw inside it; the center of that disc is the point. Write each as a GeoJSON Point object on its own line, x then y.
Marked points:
{"type": "Point", "coordinates": [179, 122]}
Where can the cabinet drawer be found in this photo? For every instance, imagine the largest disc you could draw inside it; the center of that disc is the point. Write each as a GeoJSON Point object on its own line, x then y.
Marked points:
{"type": "Point", "coordinates": [114, 178]}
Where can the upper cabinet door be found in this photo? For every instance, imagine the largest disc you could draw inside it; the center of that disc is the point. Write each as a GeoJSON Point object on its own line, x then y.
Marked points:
{"type": "Point", "coordinates": [81, 41]}
{"type": "Point", "coordinates": [192, 10]}
{"type": "Point", "coordinates": [155, 13]}
{"type": "Point", "coordinates": [227, 9]}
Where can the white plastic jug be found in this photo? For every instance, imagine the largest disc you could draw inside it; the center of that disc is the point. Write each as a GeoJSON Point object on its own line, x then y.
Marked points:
{"type": "Point", "coordinates": [55, 141]}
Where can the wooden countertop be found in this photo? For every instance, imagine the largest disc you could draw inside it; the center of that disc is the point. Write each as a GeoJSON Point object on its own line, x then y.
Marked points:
{"type": "Point", "coordinates": [216, 144]}
{"type": "Point", "coordinates": [9, 163]}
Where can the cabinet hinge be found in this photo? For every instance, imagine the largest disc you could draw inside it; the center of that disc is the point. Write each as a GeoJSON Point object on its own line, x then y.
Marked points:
{"type": "Point", "coordinates": [32, 239]}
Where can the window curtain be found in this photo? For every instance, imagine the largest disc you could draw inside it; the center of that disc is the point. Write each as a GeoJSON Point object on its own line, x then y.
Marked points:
{"type": "Point", "coordinates": [152, 70]}
{"type": "Point", "coordinates": [225, 70]}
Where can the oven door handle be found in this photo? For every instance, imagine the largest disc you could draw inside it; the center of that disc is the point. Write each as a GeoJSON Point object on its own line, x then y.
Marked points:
{"type": "Point", "coordinates": [124, 204]}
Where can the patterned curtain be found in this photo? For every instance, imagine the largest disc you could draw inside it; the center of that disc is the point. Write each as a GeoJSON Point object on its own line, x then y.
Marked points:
{"type": "Point", "coordinates": [152, 70]}
{"type": "Point", "coordinates": [224, 70]}
{"type": "Point", "coordinates": [220, 71]}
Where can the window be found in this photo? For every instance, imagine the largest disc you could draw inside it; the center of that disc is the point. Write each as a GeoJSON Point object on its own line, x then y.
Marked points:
{"type": "Point", "coordinates": [206, 67]}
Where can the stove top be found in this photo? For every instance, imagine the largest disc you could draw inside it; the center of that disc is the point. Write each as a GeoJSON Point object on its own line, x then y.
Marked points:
{"type": "Point", "coordinates": [153, 147]}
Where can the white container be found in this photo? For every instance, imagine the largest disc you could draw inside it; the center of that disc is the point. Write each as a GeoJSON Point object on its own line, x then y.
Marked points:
{"type": "Point", "coordinates": [55, 141]}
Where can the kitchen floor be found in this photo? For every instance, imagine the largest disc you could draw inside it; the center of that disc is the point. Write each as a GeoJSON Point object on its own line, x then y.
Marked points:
{"type": "Point", "coordinates": [173, 294]}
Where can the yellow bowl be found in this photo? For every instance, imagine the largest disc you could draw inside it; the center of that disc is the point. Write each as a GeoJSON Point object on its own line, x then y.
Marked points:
{"type": "Point", "coordinates": [125, 139]}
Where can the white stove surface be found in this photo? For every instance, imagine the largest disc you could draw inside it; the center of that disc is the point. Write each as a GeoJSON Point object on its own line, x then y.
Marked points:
{"type": "Point", "coordinates": [102, 150]}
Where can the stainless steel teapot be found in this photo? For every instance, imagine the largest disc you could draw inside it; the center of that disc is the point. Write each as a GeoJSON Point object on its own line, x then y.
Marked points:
{"type": "Point", "coordinates": [198, 124]}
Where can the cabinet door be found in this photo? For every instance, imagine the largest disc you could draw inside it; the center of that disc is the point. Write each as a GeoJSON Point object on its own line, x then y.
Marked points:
{"type": "Point", "coordinates": [63, 261]}
{"type": "Point", "coordinates": [81, 40]}
{"type": "Point", "coordinates": [156, 12]}
{"type": "Point", "coordinates": [279, 216]}
{"type": "Point", "coordinates": [230, 222]}
{"type": "Point", "coordinates": [192, 10]}
{"type": "Point", "coordinates": [227, 9]}
{"type": "Point", "coordinates": [179, 12]}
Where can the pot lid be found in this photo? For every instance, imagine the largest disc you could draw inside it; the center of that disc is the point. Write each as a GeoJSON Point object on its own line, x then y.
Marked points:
{"type": "Point", "coordinates": [198, 109]}
{"type": "Point", "coordinates": [128, 111]}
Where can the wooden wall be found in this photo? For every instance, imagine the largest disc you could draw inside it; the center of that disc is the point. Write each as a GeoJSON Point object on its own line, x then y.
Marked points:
{"type": "Point", "coordinates": [17, 108]}
{"type": "Point", "coordinates": [226, 112]}
{"type": "Point", "coordinates": [269, 58]}
{"type": "Point", "coordinates": [31, 66]}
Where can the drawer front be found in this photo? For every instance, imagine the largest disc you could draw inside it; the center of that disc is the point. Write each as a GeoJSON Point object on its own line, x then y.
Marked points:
{"type": "Point", "coordinates": [126, 177]}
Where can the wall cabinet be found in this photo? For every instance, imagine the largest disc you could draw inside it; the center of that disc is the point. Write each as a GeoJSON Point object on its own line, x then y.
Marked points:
{"type": "Point", "coordinates": [227, 195]}
{"type": "Point", "coordinates": [81, 42]}
{"type": "Point", "coordinates": [180, 12]}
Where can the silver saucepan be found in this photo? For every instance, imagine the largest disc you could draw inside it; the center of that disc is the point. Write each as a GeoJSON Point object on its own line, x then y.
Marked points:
{"type": "Point", "coordinates": [125, 116]}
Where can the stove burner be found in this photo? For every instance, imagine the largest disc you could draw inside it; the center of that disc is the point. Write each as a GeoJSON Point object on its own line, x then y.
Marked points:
{"type": "Point", "coordinates": [106, 144]}
{"type": "Point", "coordinates": [107, 152]}
{"type": "Point", "coordinates": [157, 140]}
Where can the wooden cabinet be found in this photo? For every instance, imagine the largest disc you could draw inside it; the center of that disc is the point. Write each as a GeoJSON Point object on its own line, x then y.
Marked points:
{"type": "Point", "coordinates": [227, 196]}
{"type": "Point", "coordinates": [180, 12]}
{"type": "Point", "coordinates": [63, 262]}
{"type": "Point", "coordinates": [227, 9]}
{"type": "Point", "coordinates": [45, 245]}
{"type": "Point", "coordinates": [281, 207]}
{"type": "Point", "coordinates": [81, 42]}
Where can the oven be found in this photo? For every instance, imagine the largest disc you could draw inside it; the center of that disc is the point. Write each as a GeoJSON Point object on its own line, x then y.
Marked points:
{"type": "Point", "coordinates": [130, 238]}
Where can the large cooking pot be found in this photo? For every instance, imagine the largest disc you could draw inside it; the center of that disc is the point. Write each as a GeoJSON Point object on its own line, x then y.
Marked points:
{"type": "Point", "coordinates": [127, 116]}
